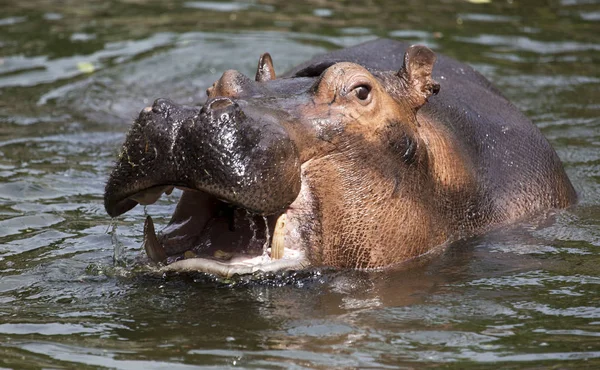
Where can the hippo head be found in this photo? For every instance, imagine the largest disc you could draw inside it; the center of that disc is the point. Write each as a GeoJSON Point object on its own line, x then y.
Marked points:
{"type": "Point", "coordinates": [324, 168]}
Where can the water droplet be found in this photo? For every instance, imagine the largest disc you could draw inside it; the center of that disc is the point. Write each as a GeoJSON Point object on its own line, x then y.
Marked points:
{"type": "Point", "coordinates": [268, 236]}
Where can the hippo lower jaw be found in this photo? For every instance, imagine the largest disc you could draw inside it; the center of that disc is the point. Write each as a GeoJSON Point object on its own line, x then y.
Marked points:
{"type": "Point", "coordinates": [212, 236]}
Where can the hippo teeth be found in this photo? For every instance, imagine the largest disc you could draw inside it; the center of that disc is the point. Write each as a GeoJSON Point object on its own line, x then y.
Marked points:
{"type": "Point", "coordinates": [153, 248]}
{"type": "Point", "coordinates": [278, 241]}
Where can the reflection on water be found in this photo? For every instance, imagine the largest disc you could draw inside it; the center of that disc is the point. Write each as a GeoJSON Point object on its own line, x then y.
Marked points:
{"type": "Point", "coordinates": [73, 76]}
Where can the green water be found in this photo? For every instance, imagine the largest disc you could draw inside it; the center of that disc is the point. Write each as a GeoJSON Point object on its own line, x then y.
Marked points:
{"type": "Point", "coordinates": [73, 75]}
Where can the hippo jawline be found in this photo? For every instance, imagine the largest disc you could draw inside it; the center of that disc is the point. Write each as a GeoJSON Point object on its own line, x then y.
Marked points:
{"type": "Point", "coordinates": [212, 236]}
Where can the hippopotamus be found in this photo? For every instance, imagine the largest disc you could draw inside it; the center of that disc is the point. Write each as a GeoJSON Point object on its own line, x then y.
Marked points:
{"type": "Point", "coordinates": [363, 158]}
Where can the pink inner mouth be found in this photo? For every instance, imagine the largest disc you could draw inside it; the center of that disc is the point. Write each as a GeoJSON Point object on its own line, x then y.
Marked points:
{"type": "Point", "coordinates": [217, 230]}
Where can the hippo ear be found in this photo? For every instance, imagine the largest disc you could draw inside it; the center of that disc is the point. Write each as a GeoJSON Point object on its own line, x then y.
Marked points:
{"type": "Point", "coordinates": [416, 71]}
{"type": "Point", "coordinates": [265, 70]}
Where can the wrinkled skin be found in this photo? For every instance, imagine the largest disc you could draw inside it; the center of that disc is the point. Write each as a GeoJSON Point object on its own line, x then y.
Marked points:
{"type": "Point", "coordinates": [360, 158]}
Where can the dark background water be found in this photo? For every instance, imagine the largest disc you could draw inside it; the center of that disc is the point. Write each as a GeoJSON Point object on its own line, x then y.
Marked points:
{"type": "Point", "coordinates": [73, 75]}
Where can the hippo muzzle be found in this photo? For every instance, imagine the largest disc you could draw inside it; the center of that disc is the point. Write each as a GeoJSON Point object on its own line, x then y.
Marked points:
{"type": "Point", "coordinates": [238, 175]}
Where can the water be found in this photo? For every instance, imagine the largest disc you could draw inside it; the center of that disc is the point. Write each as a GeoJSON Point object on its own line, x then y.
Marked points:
{"type": "Point", "coordinates": [73, 76]}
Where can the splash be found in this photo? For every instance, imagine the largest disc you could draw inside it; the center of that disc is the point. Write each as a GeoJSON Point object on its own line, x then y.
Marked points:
{"type": "Point", "coordinates": [267, 237]}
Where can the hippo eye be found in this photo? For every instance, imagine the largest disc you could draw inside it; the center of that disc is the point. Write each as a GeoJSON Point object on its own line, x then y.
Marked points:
{"type": "Point", "coordinates": [362, 92]}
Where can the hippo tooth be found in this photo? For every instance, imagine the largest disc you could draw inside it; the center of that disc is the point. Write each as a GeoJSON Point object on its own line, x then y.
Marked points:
{"type": "Point", "coordinates": [278, 243]}
{"type": "Point", "coordinates": [153, 248]}
{"type": "Point", "coordinates": [222, 255]}
{"type": "Point", "coordinates": [189, 254]}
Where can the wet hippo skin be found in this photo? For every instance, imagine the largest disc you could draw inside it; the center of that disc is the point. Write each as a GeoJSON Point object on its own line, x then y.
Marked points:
{"type": "Point", "coordinates": [360, 158]}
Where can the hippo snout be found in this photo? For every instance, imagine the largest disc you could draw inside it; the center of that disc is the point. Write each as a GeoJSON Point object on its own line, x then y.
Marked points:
{"type": "Point", "coordinates": [215, 149]}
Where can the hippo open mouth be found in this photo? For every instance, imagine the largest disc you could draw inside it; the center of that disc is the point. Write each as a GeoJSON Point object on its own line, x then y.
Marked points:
{"type": "Point", "coordinates": [216, 237]}
{"type": "Point", "coordinates": [239, 179]}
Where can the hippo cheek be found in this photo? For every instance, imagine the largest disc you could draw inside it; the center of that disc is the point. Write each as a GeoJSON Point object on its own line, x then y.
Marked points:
{"type": "Point", "coordinates": [239, 176]}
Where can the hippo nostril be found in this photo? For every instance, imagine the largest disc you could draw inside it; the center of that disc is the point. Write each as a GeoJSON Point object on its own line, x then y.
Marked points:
{"type": "Point", "coordinates": [161, 105]}
{"type": "Point", "coordinates": [219, 103]}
